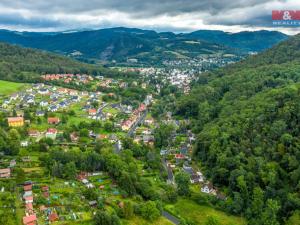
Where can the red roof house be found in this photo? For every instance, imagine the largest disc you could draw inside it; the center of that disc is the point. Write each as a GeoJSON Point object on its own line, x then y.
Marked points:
{"type": "Point", "coordinates": [53, 120]}
{"type": "Point", "coordinates": [53, 217]}
{"type": "Point", "coordinates": [179, 156]}
{"type": "Point", "coordinates": [92, 112]}
{"type": "Point", "coordinates": [29, 220]}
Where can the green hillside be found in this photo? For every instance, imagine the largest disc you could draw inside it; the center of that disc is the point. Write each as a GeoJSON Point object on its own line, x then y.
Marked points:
{"type": "Point", "coordinates": [24, 64]}
{"type": "Point", "coordinates": [119, 44]}
{"type": "Point", "coordinates": [247, 119]}
{"type": "Point", "coordinates": [7, 87]}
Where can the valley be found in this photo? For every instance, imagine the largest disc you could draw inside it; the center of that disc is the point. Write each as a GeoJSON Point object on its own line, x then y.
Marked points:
{"type": "Point", "coordinates": [142, 127]}
{"type": "Point", "coordinates": [69, 147]}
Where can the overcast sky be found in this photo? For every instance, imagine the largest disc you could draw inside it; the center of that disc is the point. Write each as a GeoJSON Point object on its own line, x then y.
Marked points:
{"type": "Point", "coordinates": [160, 15]}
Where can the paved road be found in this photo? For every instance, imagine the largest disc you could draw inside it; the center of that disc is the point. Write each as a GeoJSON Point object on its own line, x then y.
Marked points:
{"type": "Point", "coordinates": [170, 179]}
{"type": "Point", "coordinates": [170, 217]}
{"type": "Point", "coordinates": [137, 123]}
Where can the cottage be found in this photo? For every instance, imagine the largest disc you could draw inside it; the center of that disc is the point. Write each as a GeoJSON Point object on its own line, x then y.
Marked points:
{"type": "Point", "coordinates": [51, 133]}
{"type": "Point", "coordinates": [15, 121]}
{"type": "Point", "coordinates": [75, 98]}
{"type": "Point", "coordinates": [53, 120]}
{"type": "Point", "coordinates": [43, 91]}
{"type": "Point", "coordinates": [53, 108]}
{"type": "Point", "coordinates": [5, 173]}
{"type": "Point", "coordinates": [33, 133]}
{"type": "Point", "coordinates": [30, 220]}
{"type": "Point", "coordinates": [208, 188]}
{"type": "Point", "coordinates": [92, 112]}
{"type": "Point", "coordinates": [24, 143]}
{"type": "Point", "coordinates": [44, 103]}
{"type": "Point", "coordinates": [30, 101]}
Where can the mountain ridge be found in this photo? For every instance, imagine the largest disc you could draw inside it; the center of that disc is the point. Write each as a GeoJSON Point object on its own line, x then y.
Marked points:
{"type": "Point", "coordinates": [121, 43]}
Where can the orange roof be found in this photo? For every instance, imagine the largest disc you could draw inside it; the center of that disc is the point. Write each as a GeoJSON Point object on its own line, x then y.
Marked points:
{"type": "Point", "coordinates": [53, 120]}
{"type": "Point", "coordinates": [29, 219]}
{"type": "Point", "coordinates": [92, 111]}
{"type": "Point", "coordinates": [15, 119]}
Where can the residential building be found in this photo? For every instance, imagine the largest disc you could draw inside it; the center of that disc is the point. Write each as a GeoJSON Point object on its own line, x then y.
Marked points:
{"type": "Point", "coordinates": [5, 173]}
{"type": "Point", "coordinates": [15, 121]}
{"type": "Point", "coordinates": [53, 120]}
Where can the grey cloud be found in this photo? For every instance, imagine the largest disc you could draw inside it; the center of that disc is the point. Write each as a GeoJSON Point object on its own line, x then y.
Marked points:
{"type": "Point", "coordinates": [212, 12]}
{"type": "Point", "coordinates": [139, 7]}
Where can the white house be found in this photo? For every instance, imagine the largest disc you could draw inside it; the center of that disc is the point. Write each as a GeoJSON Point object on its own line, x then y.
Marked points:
{"type": "Point", "coordinates": [208, 188]}
{"type": "Point", "coordinates": [44, 103]}
{"type": "Point", "coordinates": [24, 143]}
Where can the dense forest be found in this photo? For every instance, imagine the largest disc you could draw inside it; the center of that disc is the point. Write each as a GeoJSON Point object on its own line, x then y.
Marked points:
{"type": "Point", "coordinates": [119, 44]}
{"type": "Point", "coordinates": [25, 64]}
{"type": "Point", "coordinates": [247, 119]}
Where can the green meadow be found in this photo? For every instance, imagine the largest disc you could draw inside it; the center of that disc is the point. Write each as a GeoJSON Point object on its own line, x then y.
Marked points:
{"type": "Point", "coordinates": [7, 87]}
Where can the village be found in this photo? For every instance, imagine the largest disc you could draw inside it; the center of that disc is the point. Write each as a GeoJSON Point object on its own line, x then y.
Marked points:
{"type": "Point", "coordinates": [50, 115]}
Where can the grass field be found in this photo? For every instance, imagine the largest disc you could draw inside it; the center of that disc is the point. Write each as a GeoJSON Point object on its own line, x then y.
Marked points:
{"type": "Point", "coordinates": [199, 214]}
{"type": "Point", "coordinates": [140, 221]}
{"type": "Point", "coordinates": [7, 87]}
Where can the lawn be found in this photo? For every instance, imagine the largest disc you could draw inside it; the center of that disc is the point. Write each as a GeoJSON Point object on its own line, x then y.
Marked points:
{"type": "Point", "coordinates": [140, 221]}
{"type": "Point", "coordinates": [188, 209]}
{"type": "Point", "coordinates": [7, 88]}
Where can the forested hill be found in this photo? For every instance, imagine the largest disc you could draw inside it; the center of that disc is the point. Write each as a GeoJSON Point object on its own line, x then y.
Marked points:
{"type": "Point", "coordinates": [147, 46]}
{"type": "Point", "coordinates": [247, 120]}
{"type": "Point", "coordinates": [283, 52]}
{"type": "Point", "coordinates": [24, 64]}
{"type": "Point", "coordinates": [247, 40]}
